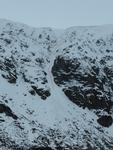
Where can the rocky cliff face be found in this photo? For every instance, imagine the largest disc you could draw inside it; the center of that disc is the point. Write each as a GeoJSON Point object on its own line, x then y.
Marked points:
{"type": "Point", "coordinates": [84, 68]}
{"type": "Point", "coordinates": [56, 87]}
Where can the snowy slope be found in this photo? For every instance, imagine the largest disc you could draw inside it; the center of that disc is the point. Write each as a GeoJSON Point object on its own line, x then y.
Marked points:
{"type": "Point", "coordinates": [37, 70]}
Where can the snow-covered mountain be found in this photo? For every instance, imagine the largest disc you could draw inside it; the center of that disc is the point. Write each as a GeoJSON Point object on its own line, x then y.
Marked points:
{"type": "Point", "coordinates": [56, 88]}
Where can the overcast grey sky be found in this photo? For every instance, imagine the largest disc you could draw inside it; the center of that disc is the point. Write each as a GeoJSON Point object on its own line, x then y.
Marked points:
{"type": "Point", "coordinates": [58, 13]}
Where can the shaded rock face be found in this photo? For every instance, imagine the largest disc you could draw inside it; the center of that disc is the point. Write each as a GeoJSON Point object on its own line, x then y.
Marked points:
{"type": "Point", "coordinates": [88, 88]}
{"type": "Point", "coordinates": [105, 121]}
{"type": "Point", "coordinates": [63, 69]}
{"type": "Point", "coordinates": [89, 99]}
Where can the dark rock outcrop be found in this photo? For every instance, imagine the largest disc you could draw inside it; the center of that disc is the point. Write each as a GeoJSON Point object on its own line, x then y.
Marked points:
{"type": "Point", "coordinates": [89, 88]}
{"type": "Point", "coordinates": [105, 121]}
{"type": "Point", "coordinates": [88, 98]}
{"type": "Point", "coordinates": [41, 92]}
{"type": "Point", "coordinates": [9, 68]}
{"type": "Point", "coordinates": [5, 109]}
